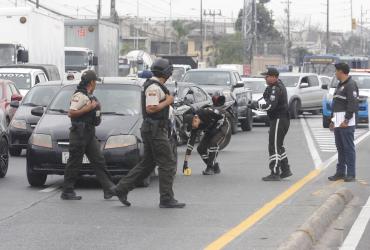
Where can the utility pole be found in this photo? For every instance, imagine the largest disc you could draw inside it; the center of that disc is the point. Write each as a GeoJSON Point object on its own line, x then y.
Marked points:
{"type": "Point", "coordinates": [248, 29]}
{"type": "Point", "coordinates": [327, 27]}
{"type": "Point", "coordinates": [213, 14]}
{"type": "Point", "coordinates": [351, 16]}
{"type": "Point", "coordinates": [137, 26]}
{"type": "Point", "coordinates": [201, 30]}
{"type": "Point", "coordinates": [99, 10]}
{"type": "Point", "coordinates": [288, 40]}
{"type": "Point", "coordinates": [170, 52]}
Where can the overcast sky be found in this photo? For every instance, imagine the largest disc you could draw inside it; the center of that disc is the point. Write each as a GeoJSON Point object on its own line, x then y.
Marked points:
{"type": "Point", "coordinates": [307, 11]}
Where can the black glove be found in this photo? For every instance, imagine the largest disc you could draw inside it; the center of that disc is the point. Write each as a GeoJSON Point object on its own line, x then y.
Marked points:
{"type": "Point", "coordinates": [254, 105]}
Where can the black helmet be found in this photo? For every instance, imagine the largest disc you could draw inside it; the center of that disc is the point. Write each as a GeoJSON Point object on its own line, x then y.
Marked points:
{"type": "Point", "coordinates": [161, 68]}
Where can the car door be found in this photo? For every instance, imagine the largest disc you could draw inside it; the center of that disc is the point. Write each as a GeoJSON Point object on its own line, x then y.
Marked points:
{"type": "Point", "coordinates": [316, 93]}
{"type": "Point", "coordinates": [304, 92]}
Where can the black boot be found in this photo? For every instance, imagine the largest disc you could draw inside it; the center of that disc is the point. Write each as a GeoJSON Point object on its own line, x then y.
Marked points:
{"type": "Point", "coordinates": [285, 172]}
{"type": "Point", "coordinates": [70, 195]}
{"type": "Point", "coordinates": [209, 171]}
{"type": "Point", "coordinates": [272, 177]}
{"type": "Point", "coordinates": [171, 204]}
{"type": "Point", "coordinates": [108, 194]}
{"type": "Point", "coordinates": [336, 177]}
{"type": "Point", "coordinates": [349, 179]}
{"type": "Point", "coordinates": [122, 196]}
{"type": "Point", "coordinates": [216, 168]}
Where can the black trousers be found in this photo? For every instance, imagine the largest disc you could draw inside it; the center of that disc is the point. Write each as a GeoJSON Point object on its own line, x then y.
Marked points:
{"type": "Point", "coordinates": [82, 141]}
{"type": "Point", "coordinates": [278, 160]}
{"type": "Point", "coordinates": [157, 152]}
{"type": "Point", "coordinates": [210, 144]}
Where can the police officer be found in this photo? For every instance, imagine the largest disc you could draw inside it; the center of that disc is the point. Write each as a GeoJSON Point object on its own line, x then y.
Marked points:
{"type": "Point", "coordinates": [156, 101]}
{"type": "Point", "coordinates": [215, 125]}
{"type": "Point", "coordinates": [85, 115]}
{"type": "Point", "coordinates": [345, 106]}
{"type": "Point", "coordinates": [276, 105]}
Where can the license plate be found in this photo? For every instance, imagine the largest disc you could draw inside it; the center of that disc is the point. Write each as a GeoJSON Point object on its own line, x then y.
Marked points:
{"type": "Point", "coordinates": [65, 157]}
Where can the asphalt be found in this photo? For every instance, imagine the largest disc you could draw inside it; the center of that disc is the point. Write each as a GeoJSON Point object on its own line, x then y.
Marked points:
{"type": "Point", "coordinates": [35, 218]}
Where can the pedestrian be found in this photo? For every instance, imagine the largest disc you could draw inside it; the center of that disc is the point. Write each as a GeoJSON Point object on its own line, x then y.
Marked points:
{"type": "Point", "coordinates": [85, 115]}
{"type": "Point", "coordinates": [343, 123]}
{"type": "Point", "coordinates": [156, 101]}
{"type": "Point", "coordinates": [276, 104]}
{"type": "Point", "coordinates": [216, 126]}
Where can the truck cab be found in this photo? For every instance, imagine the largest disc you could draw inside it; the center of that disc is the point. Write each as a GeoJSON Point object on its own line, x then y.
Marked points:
{"type": "Point", "coordinates": [23, 78]}
{"type": "Point", "coordinates": [78, 60]}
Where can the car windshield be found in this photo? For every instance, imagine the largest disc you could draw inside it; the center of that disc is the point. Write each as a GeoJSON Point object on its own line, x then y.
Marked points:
{"type": "Point", "coordinates": [289, 81]}
{"type": "Point", "coordinates": [207, 77]}
{"type": "Point", "coordinates": [115, 99]}
{"type": "Point", "coordinates": [76, 60]}
{"type": "Point", "coordinates": [256, 86]}
{"type": "Point", "coordinates": [40, 95]}
{"type": "Point", "coordinates": [178, 73]}
{"type": "Point", "coordinates": [327, 69]}
{"type": "Point", "coordinates": [7, 54]}
{"type": "Point", "coordinates": [22, 81]}
{"type": "Point", "coordinates": [363, 81]}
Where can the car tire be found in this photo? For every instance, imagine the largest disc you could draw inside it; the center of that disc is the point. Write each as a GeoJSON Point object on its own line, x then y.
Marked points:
{"type": "Point", "coordinates": [15, 151]}
{"type": "Point", "coordinates": [226, 141]}
{"type": "Point", "coordinates": [325, 121]}
{"type": "Point", "coordinates": [247, 124]}
{"type": "Point", "coordinates": [35, 179]}
{"type": "Point", "coordinates": [294, 109]}
{"type": "Point", "coordinates": [4, 157]}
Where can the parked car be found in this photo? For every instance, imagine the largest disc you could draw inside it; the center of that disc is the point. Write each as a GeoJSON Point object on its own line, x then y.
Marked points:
{"type": "Point", "coordinates": [23, 123]}
{"type": "Point", "coordinates": [305, 92]}
{"type": "Point", "coordinates": [363, 83]}
{"type": "Point", "coordinates": [325, 80]}
{"type": "Point", "coordinates": [228, 83]}
{"type": "Point", "coordinates": [118, 133]}
{"type": "Point", "coordinates": [4, 146]}
{"type": "Point", "coordinates": [51, 71]}
{"type": "Point", "coordinates": [258, 86]}
{"type": "Point", "coordinates": [8, 93]}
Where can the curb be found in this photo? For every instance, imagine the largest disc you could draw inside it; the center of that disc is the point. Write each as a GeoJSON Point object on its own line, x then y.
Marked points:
{"type": "Point", "coordinates": [310, 232]}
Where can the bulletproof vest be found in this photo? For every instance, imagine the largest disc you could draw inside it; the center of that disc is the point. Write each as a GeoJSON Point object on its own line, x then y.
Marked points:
{"type": "Point", "coordinates": [88, 118]}
{"type": "Point", "coordinates": [161, 115]}
{"type": "Point", "coordinates": [281, 111]}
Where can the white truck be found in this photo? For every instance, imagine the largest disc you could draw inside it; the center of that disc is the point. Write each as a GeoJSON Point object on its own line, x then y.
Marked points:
{"type": "Point", "coordinates": [137, 61]}
{"type": "Point", "coordinates": [78, 60]}
{"type": "Point", "coordinates": [99, 36]}
{"type": "Point", "coordinates": [31, 35]}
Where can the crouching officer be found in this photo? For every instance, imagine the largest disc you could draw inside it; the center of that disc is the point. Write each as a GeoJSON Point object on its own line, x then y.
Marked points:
{"type": "Point", "coordinates": [215, 125]}
{"type": "Point", "coordinates": [156, 101]}
{"type": "Point", "coordinates": [276, 105]}
{"type": "Point", "coordinates": [85, 115]}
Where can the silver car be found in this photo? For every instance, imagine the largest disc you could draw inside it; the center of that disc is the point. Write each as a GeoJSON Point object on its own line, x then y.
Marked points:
{"type": "Point", "coordinates": [258, 86]}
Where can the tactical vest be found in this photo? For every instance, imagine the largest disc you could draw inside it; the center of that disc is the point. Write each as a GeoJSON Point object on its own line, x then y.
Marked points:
{"type": "Point", "coordinates": [161, 115]}
{"type": "Point", "coordinates": [89, 118]}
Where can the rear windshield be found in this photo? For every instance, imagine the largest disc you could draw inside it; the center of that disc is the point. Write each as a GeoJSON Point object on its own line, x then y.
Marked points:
{"type": "Point", "coordinates": [22, 81]}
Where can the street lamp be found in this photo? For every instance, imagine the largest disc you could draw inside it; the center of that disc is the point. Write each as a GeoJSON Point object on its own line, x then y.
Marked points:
{"type": "Point", "coordinates": [201, 30]}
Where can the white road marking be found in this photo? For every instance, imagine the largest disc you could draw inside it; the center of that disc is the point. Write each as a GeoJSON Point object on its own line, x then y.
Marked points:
{"type": "Point", "coordinates": [355, 234]}
{"type": "Point", "coordinates": [311, 144]}
{"type": "Point", "coordinates": [51, 188]}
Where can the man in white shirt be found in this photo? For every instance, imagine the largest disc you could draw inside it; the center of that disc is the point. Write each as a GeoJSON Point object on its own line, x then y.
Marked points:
{"type": "Point", "coordinates": [345, 107]}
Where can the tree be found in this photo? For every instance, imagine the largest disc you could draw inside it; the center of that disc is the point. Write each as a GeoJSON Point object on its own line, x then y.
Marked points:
{"type": "Point", "coordinates": [298, 54]}
{"type": "Point", "coordinates": [181, 29]}
{"type": "Point", "coordinates": [228, 49]}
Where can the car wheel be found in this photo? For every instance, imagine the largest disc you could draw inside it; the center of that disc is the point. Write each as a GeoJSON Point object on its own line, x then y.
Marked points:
{"type": "Point", "coordinates": [294, 109]}
{"type": "Point", "coordinates": [325, 121]}
{"type": "Point", "coordinates": [4, 157]}
{"type": "Point", "coordinates": [15, 151]}
{"type": "Point", "coordinates": [226, 141]}
{"type": "Point", "coordinates": [247, 124]}
{"type": "Point", "coordinates": [35, 179]}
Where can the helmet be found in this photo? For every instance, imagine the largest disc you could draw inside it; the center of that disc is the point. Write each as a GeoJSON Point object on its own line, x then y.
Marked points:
{"type": "Point", "coordinates": [218, 100]}
{"type": "Point", "coordinates": [162, 68]}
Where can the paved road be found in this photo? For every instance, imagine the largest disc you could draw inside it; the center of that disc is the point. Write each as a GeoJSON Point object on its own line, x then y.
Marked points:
{"type": "Point", "coordinates": [35, 218]}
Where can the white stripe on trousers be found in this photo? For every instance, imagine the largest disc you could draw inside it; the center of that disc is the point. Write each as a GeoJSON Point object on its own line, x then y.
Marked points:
{"type": "Point", "coordinates": [275, 142]}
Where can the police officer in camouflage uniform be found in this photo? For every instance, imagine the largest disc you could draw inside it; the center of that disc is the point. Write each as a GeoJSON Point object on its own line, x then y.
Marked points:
{"type": "Point", "coordinates": [156, 101]}
{"type": "Point", "coordinates": [85, 115]}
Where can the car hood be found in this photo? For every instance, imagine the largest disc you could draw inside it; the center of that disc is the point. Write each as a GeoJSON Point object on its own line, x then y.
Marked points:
{"type": "Point", "coordinates": [24, 113]}
{"type": "Point", "coordinates": [58, 126]}
{"type": "Point", "coordinates": [211, 89]}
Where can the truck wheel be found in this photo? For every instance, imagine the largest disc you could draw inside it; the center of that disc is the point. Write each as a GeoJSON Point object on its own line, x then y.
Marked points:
{"type": "Point", "coordinates": [4, 157]}
{"type": "Point", "coordinates": [35, 179]}
{"type": "Point", "coordinates": [247, 124]}
{"type": "Point", "coordinates": [15, 151]}
{"type": "Point", "coordinates": [294, 109]}
{"type": "Point", "coordinates": [226, 141]}
{"type": "Point", "coordinates": [325, 121]}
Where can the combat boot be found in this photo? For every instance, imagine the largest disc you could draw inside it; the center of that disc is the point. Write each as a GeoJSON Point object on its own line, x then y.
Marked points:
{"type": "Point", "coordinates": [216, 168]}
{"type": "Point", "coordinates": [171, 204]}
{"type": "Point", "coordinates": [108, 194]}
{"type": "Point", "coordinates": [71, 195]}
{"type": "Point", "coordinates": [209, 171]}
{"type": "Point", "coordinates": [122, 196]}
{"type": "Point", "coordinates": [285, 172]}
{"type": "Point", "coordinates": [336, 177]}
{"type": "Point", "coordinates": [272, 177]}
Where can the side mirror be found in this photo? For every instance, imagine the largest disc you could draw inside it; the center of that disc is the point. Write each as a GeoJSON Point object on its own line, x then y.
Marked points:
{"type": "Point", "coordinates": [239, 84]}
{"type": "Point", "coordinates": [304, 85]}
{"type": "Point", "coordinates": [324, 86]}
{"type": "Point", "coordinates": [14, 104]}
{"type": "Point", "coordinates": [37, 111]}
{"type": "Point", "coordinates": [16, 97]}
{"type": "Point", "coordinates": [95, 61]}
{"type": "Point", "coordinates": [22, 56]}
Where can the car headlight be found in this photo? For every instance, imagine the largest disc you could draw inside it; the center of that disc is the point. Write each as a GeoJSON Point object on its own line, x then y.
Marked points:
{"type": "Point", "coordinates": [20, 124]}
{"type": "Point", "coordinates": [41, 140]}
{"type": "Point", "coordinates": [120, 141]}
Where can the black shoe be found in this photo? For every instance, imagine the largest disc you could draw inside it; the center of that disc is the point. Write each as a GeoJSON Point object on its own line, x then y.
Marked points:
{"type": "Point", "coordinates": [336, 177]}
{"type": "Point", "coordinates": [272, 177]}
{"type": "Point", "coordinates": [108, 194]}
{"type": "Point", "coordinates": [123, 198]}
{"type": "Point", "coordinates": [286, 174]}
{"type": "Point", "coordinates": [349, 179]}
{"type": "Point", "coordinates": [216, 168]}
{"type": "Point", "coordinates": [171, 204]}
{"type": "Point", "coordinates": [209, 171]}
{"type": "Point", "coordinates": [70, 196]}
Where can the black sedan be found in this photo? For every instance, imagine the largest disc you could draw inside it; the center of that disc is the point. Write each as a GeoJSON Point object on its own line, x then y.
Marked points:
{"type": "Point", "coordinates": [24, 122]}
{"type": "Point", "coordinates": [118, 133]}
{"type": "Point", "coordinates": [4, 148]}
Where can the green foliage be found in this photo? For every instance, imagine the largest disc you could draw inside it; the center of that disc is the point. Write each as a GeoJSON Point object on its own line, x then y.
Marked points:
{"type": "Point", "coordinates": [229, 49]}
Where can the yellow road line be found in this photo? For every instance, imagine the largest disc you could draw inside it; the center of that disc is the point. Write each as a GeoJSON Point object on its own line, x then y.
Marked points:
{"type": "Point", "coordinates": [262, 212]}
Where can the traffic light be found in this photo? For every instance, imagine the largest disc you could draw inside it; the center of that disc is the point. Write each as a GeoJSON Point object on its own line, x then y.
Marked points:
{"type": "Point", "coordinates": [354, 24]}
